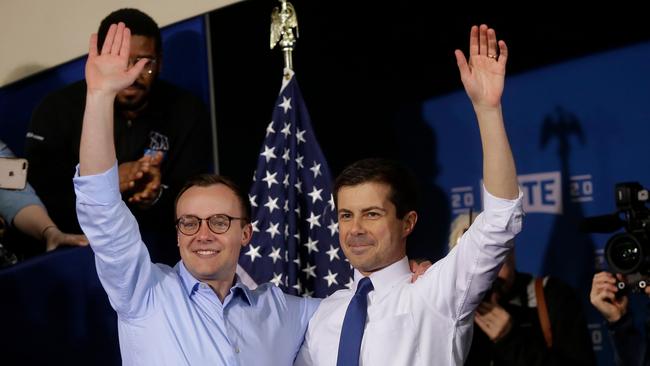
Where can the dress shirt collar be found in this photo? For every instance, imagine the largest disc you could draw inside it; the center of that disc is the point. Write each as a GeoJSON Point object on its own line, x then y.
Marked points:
{"type": "Point", "coordinates": [191, 284]}
{"type": "Point", "coordinates": [385, 279]}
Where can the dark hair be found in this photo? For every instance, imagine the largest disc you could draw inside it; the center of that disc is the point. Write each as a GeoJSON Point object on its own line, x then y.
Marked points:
{"type": "Point", "coordinates": [138, 22]}
{"type": "Point", "coordinates": [207, 180]}
{"type": "Point", "coordinates": [402, 182]}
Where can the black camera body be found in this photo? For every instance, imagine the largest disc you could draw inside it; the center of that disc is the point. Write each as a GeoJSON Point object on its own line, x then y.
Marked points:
{"type": "Point", "coordinates": [627, 252]}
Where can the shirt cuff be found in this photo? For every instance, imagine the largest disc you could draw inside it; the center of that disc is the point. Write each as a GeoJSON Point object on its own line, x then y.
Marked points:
{"type": "Point", "coordinates": [98, 189]}
{"type": "Point", "coordinates": [504, 213]}
{"type": "Point", "coordinates": [494, 203]}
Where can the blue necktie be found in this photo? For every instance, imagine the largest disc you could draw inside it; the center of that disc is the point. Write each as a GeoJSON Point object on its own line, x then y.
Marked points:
{"type": "Point", "coordinates": [353, 325]}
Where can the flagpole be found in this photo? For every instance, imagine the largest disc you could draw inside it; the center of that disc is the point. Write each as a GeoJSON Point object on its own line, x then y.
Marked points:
{"type": "Point", "coordinates": [283, 21]}
{"type": "Point", "coordinates": [294, 244]}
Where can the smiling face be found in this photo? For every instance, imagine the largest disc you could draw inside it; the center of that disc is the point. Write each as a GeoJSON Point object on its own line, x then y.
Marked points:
{"type": "Point", "coordinates": [371, 235]}
{"type": "Point", "coordinates": [206, 255]}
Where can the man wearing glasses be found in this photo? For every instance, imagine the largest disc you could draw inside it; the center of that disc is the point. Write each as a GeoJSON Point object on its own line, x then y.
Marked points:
{"type": "Point", "coordinates": [196, 313]}
{"type": "Point", "coordinates": [161, 135]}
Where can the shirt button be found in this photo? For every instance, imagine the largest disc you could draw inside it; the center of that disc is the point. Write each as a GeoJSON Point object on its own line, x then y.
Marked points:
{"type": "Point", "coordinates": [236, 349]}
{"type": "Point", "coordinates": [203, 285]}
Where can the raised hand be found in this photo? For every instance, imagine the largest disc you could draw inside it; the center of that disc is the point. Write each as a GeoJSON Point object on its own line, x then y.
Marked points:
{"type": "Point", "coordinates": [603, 297]}
{"type": "Point", "coordinates": [106, 74]}
{"type": "Point", "coordinates": [108, 71]}
{"type": "Point", "coordinates": [483, 76]}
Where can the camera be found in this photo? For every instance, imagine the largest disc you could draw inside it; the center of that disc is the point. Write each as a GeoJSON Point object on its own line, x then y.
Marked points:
{"type": "Point", "coordinates": [627, 252]}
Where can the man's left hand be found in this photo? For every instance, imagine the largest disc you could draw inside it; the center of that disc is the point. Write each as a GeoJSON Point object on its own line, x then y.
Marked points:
{"type": "Point", "coordinates": [148, 188]}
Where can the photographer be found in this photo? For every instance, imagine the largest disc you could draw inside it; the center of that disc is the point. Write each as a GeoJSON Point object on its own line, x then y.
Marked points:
{"type": "Point", "coordinates": [626, 256]}
{"type": "Point", "coordinates": [629, 347]}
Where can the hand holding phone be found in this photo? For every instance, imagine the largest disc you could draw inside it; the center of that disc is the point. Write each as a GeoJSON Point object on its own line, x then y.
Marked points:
{"type": "Point", "coordinates": [13, 173]}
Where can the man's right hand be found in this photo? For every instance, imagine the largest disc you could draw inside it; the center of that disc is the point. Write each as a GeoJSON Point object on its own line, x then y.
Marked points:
{"type": "Point", "coordinates": [603, 297]}
{"type": "Point", "coordinates": [129, 173]}
{"type": "Point", "coordinates": [108, 72]}
{"type": "Point", "coordinates": [142, 177]}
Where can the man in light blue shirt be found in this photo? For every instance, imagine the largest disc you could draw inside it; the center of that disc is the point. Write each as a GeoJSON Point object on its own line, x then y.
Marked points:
{"type": "Point", "coordinates": [197, 313]}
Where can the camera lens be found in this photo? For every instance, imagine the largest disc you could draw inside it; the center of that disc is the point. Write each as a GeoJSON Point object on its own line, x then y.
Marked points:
{"type": "Point", "coordinates": [624, 253]}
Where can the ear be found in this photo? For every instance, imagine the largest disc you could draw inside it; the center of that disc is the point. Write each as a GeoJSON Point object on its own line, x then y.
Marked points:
{"type": "Point", "coordinates": [178, 238]}
{"type": "Point", "coordinates": [408, 223]}
{"type": "Point", "coordinates": [246, 234]}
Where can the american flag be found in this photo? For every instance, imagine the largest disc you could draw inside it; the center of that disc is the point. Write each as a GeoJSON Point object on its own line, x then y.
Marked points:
{"type": "Point", "coordinates": [295, 231]}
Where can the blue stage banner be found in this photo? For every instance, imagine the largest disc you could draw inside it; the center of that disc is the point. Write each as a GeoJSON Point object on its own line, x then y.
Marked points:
{"type": "Point", "coordinates": [576, 129]}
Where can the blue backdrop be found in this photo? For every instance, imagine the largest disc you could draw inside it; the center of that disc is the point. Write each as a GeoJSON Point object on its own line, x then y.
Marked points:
{"type": "Point", "coordinates": [576, 129]}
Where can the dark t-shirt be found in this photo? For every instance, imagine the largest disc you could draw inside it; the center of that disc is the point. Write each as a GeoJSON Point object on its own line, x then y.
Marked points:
{"type": "Point", "coordinates": [174, 119]}
{"type": "Point", "coordinates": [525, 344]}
{"type": "Point", "coordinates": [630, 346]}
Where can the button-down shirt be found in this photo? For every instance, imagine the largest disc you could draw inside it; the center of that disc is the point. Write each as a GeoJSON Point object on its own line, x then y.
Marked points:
{"type": "Point", "coordinates": [428, 322]}
{"type": "Point", "coordinates": [168, 317]}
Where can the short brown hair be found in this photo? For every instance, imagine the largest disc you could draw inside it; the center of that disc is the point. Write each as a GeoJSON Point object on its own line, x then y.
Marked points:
{"type": "Point", "coordinates": [207, 180]}
{"type": "Point", "coordinates": [402, 182]}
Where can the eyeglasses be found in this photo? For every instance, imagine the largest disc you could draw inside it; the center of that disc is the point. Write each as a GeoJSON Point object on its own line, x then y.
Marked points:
{"type": "Point", "coordinates": [218, 224]}
{"type": "Point", "coordinates": [148, 67]}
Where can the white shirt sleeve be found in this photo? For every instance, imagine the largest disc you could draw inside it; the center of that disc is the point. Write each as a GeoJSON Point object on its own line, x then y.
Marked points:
{"type": "Point", "coordinates": [455, 285]}
{"type": "Point", "coordinates": [304, 355]}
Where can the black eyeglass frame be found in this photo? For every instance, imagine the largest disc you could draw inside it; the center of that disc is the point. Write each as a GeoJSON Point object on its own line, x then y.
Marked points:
{"type": "Point", "coordinates": [207, 220]}
{"type": "Point", "coordinates": [148, 67]}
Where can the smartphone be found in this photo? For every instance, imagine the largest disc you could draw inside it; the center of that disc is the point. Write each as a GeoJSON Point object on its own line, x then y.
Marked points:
{"type": "Point", "coordinates": [13, 173]}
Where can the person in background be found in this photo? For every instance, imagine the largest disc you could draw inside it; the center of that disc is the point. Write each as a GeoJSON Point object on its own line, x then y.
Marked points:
{"type": "Point", "coordinates": [509, 324]}
{"type": "Point", "coordinates": [25, 211]}
{"type": "Point", "coordinates": [629, 346]}
{"type": "Point", "coordinates": [161, 132]}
